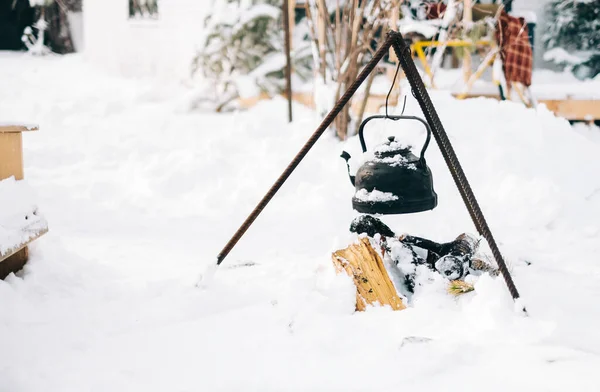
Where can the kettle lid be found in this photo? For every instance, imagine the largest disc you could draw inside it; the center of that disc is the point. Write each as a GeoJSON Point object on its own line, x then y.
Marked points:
{"type": "Point", "coordinates": [394, 148]}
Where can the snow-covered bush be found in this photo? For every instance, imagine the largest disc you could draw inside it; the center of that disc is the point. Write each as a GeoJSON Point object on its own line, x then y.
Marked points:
{"type": "Point", "coordinates": [573, 35]}
{"type": "Point", "coordinates": [40, 3]}
{"type": "Point", "coordinates": [143, 8]}
{"type": "Point", "coordinates": [243, 54]}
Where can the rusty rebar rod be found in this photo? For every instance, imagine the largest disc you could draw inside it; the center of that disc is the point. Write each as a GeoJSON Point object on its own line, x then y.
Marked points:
{"type": "Point", "coordinates": [304, 150]}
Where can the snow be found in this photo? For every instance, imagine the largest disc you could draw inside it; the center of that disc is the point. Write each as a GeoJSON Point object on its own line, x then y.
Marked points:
{"type": "Point", "coordinates": [258, 11]}
{"type": "Point", "coordinates": [557, 85]}
{"type": "Point", "coordinates": [393, 145]}
{"type": "Point", "coordinates": [426, 28]}
{"type": "Point", "coordinates": [561, 56]}
{"type": "Point", "coordinates": [208, 276]}
{"type": "Point", "coordinates": [142, 195]}
{"type": "Point", "coordinates": [247, 86]}
{"type": "Point", "coordinates": [374, 195]}
{"type": "Point", "coordinates": [40, 3]}
{"type": "Point", "coordinates": [28, 127]}
{"type": "Point", "coordinates": [528, 15]}
{"type": "Point", "coordinates": [20, 219]}
{"type": "Point", "coordinates": [591, 132]}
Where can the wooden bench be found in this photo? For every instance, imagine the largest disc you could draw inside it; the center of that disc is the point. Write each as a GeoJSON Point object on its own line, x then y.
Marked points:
{"type": "Point", "coordinates": [587, 110]}
{"type": "Point", "coordinates": [13, 258]}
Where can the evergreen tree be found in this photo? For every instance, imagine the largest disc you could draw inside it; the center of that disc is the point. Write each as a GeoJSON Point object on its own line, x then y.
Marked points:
{"type": "Point", "coordinates": [244, 50]}
{"type": "Point", "coordinates": [574, 25]}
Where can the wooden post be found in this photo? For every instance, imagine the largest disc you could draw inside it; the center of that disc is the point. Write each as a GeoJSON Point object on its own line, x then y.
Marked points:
{"type": "Point", "coordinates": [393, 25]}
{"type": "Point", "coordinates": [373, 284]}
{"type": "Point", "coordinates": [292, 18]}
{"type": "Point", "coordinates": [487, 61]}
{"type": "Point", "coordinates": [288, 61]}
{"type": "Point", "coordinates": [467, 20]}
{"type": "Point", "coordinates": [321, 33]}
{"type": "Point", "coordinates": [11, 150]}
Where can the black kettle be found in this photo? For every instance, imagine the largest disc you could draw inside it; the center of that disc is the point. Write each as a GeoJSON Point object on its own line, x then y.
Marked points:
{"type": "Point", "coordinates": [394, 181]}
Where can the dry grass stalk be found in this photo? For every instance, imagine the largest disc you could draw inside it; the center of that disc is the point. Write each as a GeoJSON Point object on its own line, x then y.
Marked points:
{"type": "Point", "coordinates": [459, 287]}
{"type": "Point", "coordinates": [484, 265]}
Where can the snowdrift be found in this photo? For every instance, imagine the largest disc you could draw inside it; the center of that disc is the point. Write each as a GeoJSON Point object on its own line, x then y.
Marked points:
{"type": "Point", "coordinates": [141, 196]}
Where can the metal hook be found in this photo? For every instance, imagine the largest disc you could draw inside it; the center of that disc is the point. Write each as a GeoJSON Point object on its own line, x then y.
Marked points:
{"type": "Point", "coordinates": [391, 88]}
{"type": "Point", "coordinates": [403, 106]}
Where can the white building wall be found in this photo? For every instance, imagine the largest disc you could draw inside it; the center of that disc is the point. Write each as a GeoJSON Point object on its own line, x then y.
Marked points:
{"type": "Point", "coordinates": [160, 48]}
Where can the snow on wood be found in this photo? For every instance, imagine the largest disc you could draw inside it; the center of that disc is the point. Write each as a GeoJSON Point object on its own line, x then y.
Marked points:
{"type": "Point", "coordinates": [17, 127]}
{"type": "Point", "coordinates": [20, 220]}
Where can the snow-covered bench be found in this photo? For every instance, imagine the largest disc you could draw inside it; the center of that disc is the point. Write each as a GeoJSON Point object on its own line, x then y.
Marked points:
{"type": "Point", "coordinates": [20, 221]}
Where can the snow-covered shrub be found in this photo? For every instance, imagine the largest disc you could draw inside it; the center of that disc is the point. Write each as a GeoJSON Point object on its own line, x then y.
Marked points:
{"type": "Point", "coordinates": [40, 3]}
{"type": "Point", "coordinates": [143, 8]}
{"type": "Point", "coordinates": [572, 35]}
{"type": "Point", "coordinates": [243, 54]}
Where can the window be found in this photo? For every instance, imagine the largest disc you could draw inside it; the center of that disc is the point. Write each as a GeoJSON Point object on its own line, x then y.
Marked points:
{"type": "Point", "coordinates": [143, 9]}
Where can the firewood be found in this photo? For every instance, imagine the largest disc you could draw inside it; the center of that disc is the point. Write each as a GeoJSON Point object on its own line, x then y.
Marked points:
{"type": "Point", "coordinates": [373, 284]}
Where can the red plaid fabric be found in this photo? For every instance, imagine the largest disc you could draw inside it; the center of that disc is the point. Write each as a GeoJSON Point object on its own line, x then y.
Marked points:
{"type": "Point", "coordinates": [515, 50]}
{"type": "Point", "coordinates": [435, 10]}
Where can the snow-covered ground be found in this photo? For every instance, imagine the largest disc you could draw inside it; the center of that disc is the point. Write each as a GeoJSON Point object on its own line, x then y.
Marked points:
{"type": "Point", "coordinates": [141, 195]}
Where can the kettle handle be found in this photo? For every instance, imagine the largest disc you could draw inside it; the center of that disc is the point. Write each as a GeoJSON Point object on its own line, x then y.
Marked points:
{"type": "Point", "coordinates": [395, 118]}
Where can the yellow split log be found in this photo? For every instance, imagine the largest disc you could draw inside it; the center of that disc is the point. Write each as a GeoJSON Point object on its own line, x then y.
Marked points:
{"type": "Point", "coordinates": [373, 284]}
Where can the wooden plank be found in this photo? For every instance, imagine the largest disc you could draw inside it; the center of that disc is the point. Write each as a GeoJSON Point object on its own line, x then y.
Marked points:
{"type": "Point", "coordinates": [14, 263]}
{"type": "Point", "coordinates": [11, 155]}
{"type": "Point", "coordinates": [573, 109]}
{"type": "Point", "coordinates": [15, 249]}
{"type": "Point", "coordinates": [15, 258]}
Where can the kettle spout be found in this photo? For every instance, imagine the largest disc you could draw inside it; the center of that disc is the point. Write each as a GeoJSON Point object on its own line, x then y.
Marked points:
{"type": "Point", "coordinates": [346, 157]}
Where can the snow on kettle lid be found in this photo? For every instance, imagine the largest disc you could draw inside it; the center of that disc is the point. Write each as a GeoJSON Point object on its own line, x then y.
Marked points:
{"type": "Point", "coordinates": [391, 147]}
